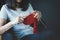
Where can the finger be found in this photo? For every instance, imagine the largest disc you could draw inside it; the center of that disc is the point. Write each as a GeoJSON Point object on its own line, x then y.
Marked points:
{"type": "Point", "coordinates": [38, 18]}
{"type": "Point", "coordinates": [36, 15]}
{"type": "Point", "coordinates": [21, 18]}
{"type": "Point", "coordinates": [39, 13]}
{"type": "Point", "coordinates": [20, 21]}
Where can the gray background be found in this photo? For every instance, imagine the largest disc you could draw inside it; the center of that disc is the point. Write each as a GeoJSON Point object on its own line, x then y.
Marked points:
{"type": "Point", "coordinates": [49, 9]}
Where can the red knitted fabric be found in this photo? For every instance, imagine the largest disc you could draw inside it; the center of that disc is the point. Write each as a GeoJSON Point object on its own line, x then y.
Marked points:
{"type": "Point", "coordinates": [29, 20]}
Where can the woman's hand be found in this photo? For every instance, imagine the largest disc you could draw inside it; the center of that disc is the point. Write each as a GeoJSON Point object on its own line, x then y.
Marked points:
{"type": "Point", "coordinates": [18, 20]}
{"type": "Point", "coordinates": [38, 15]}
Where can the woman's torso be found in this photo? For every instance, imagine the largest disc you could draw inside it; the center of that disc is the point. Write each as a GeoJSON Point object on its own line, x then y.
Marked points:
{"type": "Point", "coordinates": [21, 28]}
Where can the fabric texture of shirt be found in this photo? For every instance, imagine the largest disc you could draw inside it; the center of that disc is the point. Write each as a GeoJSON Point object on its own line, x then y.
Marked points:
{"type": "Point", "coordinates": [19, 29]}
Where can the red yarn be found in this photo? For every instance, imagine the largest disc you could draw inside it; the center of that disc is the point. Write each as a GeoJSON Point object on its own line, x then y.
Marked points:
{"type": "Point", "coordinates": [29, 20]}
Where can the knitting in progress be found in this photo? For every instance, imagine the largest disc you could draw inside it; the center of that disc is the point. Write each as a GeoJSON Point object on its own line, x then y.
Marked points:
{"type": "Point", "coordinates": [29, 20]}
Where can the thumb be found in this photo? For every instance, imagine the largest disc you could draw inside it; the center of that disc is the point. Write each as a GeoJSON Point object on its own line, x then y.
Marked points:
{"type": "Point", "coordinates": [35, 15]}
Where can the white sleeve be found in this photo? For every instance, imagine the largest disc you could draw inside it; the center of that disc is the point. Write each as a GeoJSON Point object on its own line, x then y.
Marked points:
{"type": "Point", "coordinates": [3, 13]}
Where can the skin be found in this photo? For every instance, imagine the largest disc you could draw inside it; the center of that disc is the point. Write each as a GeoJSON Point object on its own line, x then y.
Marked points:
{"type": "Point", "coordinates": [18, 1]}
{"type": "Point", "coordinates": [4, 26]}
{"type": "Point", "coordinates": [37, 12]}
{"type": "Point", "coordinates": [38, 15]}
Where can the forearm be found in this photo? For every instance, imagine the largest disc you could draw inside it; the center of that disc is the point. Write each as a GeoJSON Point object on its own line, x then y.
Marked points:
{"type": "Point", "coordinates": [5, 27]}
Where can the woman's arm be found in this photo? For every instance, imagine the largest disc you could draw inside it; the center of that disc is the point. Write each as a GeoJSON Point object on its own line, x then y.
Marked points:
{"type": "Point", "coordinates": [6, 26]}
{"type": "Point", "coordinates": [3, 26]}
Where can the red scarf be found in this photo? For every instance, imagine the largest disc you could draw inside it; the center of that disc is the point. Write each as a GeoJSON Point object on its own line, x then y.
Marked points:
{"type": "Point", "coordinates": [29, 20]}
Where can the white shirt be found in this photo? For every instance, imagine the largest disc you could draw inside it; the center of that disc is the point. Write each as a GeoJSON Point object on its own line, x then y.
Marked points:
{"type": "Point", "coordinates": [10, 14]}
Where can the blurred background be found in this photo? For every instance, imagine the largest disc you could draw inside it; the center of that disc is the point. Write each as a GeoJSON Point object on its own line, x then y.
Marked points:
{"type": "Point", "coordinates": [50, 11]}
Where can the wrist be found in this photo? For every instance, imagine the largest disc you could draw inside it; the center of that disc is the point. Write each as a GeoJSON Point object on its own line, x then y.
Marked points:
{"type": "Point", "coordinates": [12, 23]}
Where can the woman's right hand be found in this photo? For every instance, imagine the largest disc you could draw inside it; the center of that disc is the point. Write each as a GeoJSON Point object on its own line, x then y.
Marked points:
{"type": "Point", "coordinates": [17, 20]}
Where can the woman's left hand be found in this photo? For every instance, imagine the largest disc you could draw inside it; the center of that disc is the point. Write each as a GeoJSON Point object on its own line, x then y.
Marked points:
{"type": "Point", "coordinates": [38, 15]}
